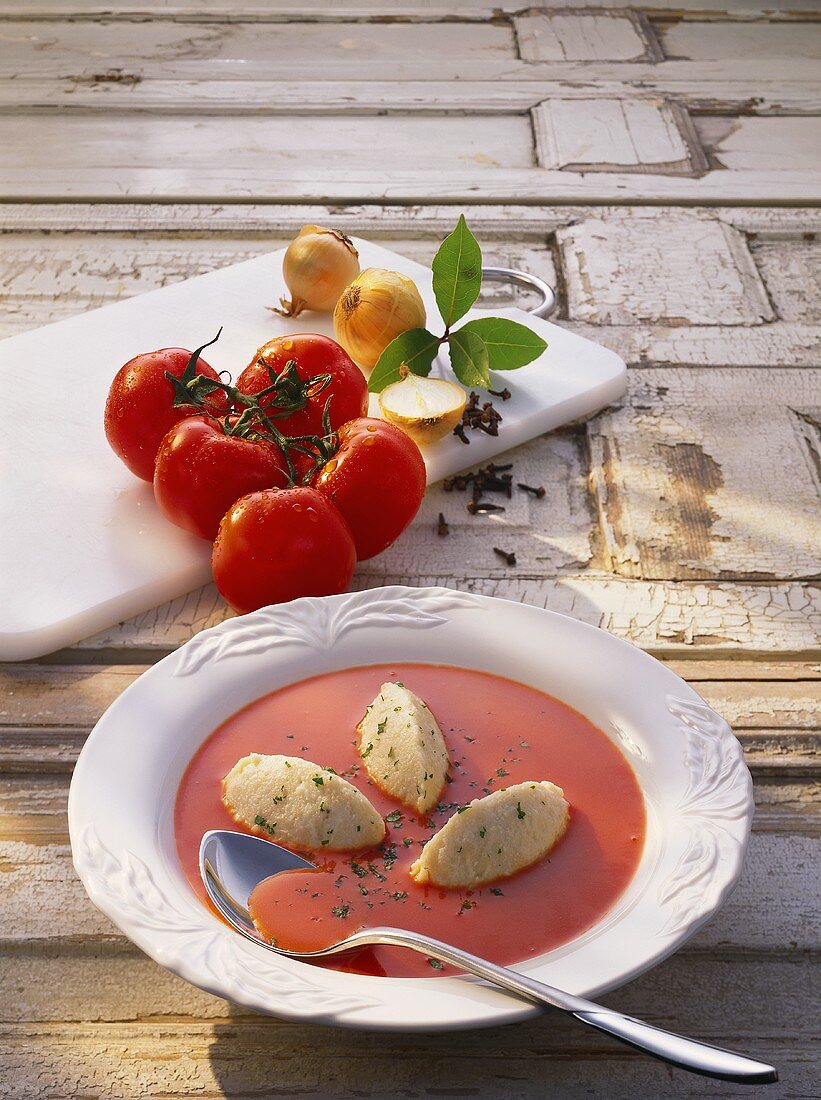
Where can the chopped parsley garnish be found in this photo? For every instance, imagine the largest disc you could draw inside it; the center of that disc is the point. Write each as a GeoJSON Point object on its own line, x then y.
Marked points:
{"type": "Point", "coordinates": [461, 809]}
{"type": "Point", "coordinates": [465, 906]}
{"type": "Point", "coordinates": [519, 811]}
{"type": "Point", "coordinates": [380, 726]}
{"type": "Point", "coordinates": [399, 895]}
{"type": "Point", "coordinates": [395, 817]}
{"type": "Point", "coordinates": [482, 832]}
{"type": "Point", "coordinates": [367, 751]}
{"type": "Point", "coordinates": [407, 842]}
{"type": "Point", "coordinates": [360, 872]}
{"type": "Point", "coordinates": [501, 773]}
{"type": "Point", "coordinates": [318, 780]}
{"type": "Point", "coordinates": [341, 910]}
{"type": "Point", "coordinates": [495, 890]}
{"type": "Point", "coordinates": [268, 826]}
{"type": "Point", "coordinates": [436, 964]}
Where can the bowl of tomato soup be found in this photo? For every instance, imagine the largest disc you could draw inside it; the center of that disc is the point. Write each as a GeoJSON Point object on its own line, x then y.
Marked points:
{"type": "Point", "coordinates": [499, 732]}
{"type": "Point", "coordinates": [659, 804]}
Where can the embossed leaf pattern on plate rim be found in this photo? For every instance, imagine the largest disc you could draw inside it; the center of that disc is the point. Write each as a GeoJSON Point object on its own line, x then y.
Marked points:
{"type": "Point", "coordinates": [322, 627]}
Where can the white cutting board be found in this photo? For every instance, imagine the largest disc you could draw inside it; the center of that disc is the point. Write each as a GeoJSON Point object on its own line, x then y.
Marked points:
{"type": "Point", "coordinates": [82, 545]}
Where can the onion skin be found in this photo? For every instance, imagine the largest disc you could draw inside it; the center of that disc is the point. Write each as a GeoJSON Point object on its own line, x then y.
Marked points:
{"type": "Point", "coordinates": [425, 431]}
{"type": "Point", "coordinates": [318, 264]}
{"type": "Point", "coordinates": [377, 307]}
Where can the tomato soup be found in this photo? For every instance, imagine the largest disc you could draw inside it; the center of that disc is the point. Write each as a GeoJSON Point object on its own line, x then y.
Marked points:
{"type": "Point", "coordinates": [498, 733]}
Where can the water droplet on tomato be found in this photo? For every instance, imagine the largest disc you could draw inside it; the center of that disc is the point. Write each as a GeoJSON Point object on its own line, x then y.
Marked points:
{"type": "Point", "coordinates": [297, 507]}
{"type": "Point", "coordinates": [330, 466]}
{"type": "Point", "coordinates": [287, 344]}
{"type": "Point", "coordinates": [371, 427]}
{"type": "Point", "coordinates": [368, 441]}
{"type": "Point", "coordinates": [312, 515]}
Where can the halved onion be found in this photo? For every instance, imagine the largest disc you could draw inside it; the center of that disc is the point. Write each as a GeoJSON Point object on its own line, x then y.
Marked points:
{"type": "Point", "coordinates": [426, 408]}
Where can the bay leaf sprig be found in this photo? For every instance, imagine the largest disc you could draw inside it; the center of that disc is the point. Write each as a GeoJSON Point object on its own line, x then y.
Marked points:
{"type": "Point", "coordinates": [477, 347]}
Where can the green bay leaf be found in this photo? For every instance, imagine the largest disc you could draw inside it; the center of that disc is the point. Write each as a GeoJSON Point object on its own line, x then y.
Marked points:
{"type": "Point", "coordinates": [416, 348]}
{"type": "Point", "coordinates": [509, 344]}
{"type": "Point", "coordinates": [457, 273]}
{"type": "Point", "coordinates": [469, 358]}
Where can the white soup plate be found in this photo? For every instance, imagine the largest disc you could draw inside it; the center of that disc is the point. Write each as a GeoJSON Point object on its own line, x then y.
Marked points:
{"type": "Point", "coordinates": [697, 792]}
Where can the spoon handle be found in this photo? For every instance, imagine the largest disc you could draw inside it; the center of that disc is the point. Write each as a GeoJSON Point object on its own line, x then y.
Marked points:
{"type": "Point", "coordinates": [676, 1049]}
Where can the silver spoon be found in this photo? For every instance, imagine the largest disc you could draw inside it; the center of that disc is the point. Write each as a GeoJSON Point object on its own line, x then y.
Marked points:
{"type": "Point", "coordinates": [231, 865]}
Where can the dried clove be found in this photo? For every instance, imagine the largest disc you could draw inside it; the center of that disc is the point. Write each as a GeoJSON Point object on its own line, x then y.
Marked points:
{"type": "Point", "coordinates": [508, 555]}
{"type": "Point", "coordinates": [493, 478]}
{"type": "Point", "coordinates": [442, 529]}
{"type": "Point", "coordinates": [536, 491]}
{"type": "Point", "coordinates": [504, 394]}
{"type": "Point", "coordinates": [485, 419]}
{"type": "Point", "coordinates": [479, 507]}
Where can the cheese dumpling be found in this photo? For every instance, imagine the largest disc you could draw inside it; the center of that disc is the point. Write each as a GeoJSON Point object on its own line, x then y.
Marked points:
{"type": "Point", "coordinates": [494, 837]}
{"type": "Point", "coordinates": [402, 748]}
{"type": "Point", "coordinates": [299, 804]}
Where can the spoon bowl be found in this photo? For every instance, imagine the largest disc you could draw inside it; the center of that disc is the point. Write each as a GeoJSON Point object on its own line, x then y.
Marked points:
{"type": "Point", "coordinates": [232, 864]}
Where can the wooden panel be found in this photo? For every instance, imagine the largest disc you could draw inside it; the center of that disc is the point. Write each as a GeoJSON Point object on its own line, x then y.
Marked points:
{"type": "Point", "coordinates": [732, 345]}
{"type": "Point", "coordinates": [280, 10]}
{"type": "Point", "coordinates": [242, 1058]}
{"type": "Point", "coordinates": [457, 158]}
{"type": "Point", "coordinates": [666, 619]}
{"type": "Point", "coordinates": [684, 486]}
{"type": "Point", "coordinates": [504, 222]}
{"type": "Point", "coordinates": [99, 52]}
{"type": "Point", "coordinates": [792, 274]}
{"type": "Point", "coordinates": [655, 266]}
{"type": "Point", "coordinates": [761, 144]}
{"type": "Point", "coordinates": [718, 41]}
{"type": "Point", "coordinates": [84, 145]}
{"type": "Point", "coordinates": [225, 66]}
{"type": "Point", "coordinates": [759, 88]}
{"type": "Point", "coordinates": [562, 36]}
{"type": "Point", "coordinates": [605, 135]}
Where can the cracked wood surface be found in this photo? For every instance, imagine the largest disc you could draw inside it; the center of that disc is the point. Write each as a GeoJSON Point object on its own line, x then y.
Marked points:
{"type": "Point", "coordinates": [53, 156]}
{"type": "Point", "coordinates": [690, 129]}
{"type": "Point", "coordinates": [685, 520]}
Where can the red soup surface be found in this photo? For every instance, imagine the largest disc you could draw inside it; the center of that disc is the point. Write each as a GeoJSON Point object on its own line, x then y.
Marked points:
{"type": "Point", "coordinates": [498, 732]}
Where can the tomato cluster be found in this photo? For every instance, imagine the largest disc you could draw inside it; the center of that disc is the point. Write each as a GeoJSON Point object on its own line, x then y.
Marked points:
{"type": "Point", "coordinates": [284, 471]}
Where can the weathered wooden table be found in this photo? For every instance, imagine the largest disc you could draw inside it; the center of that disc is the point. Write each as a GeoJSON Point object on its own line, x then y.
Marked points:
{"type": "Point", "coordinates": [662, 168]}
